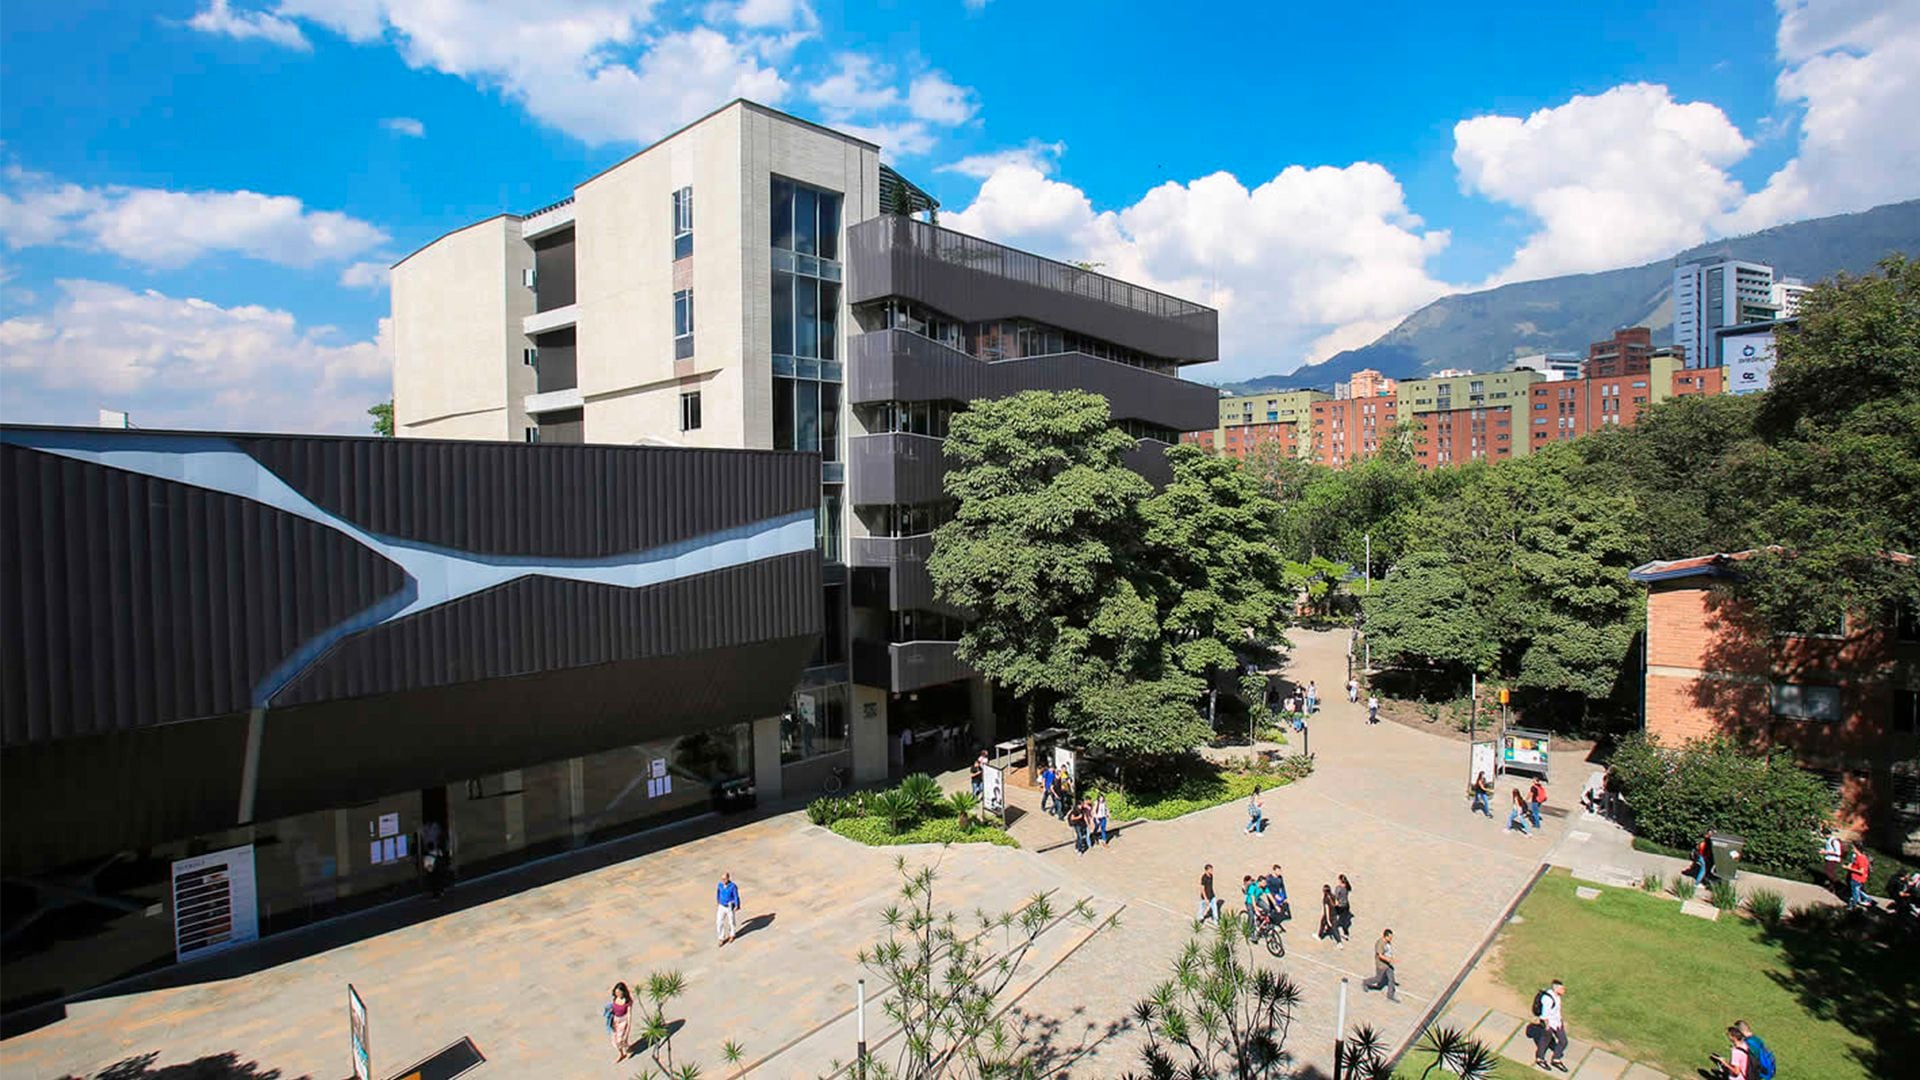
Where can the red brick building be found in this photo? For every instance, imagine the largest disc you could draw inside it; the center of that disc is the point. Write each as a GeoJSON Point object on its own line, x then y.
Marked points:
{"type": "Point", "coordinates": [1696, 381]}
{"type": "Point", "coordinates": [1456, 436]}
{"type": "Point", "coordinates": [1346, 430]}
{"type": "Point", "coordinates": [1845, 699]}
{"type": "Point", "coordinates": [1577, 406]}
{"type": "Point", "coordinates": [1628, 352]}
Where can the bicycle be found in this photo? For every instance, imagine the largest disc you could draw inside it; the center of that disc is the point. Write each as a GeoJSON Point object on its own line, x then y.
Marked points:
{"type": "Point", "coordinates": [836, 781]}
{"type": "Point", "coordinates": [1267, 931]}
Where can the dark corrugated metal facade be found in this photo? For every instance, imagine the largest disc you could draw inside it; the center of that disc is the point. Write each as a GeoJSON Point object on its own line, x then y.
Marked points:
{"type": "Point", "coordinates": [143, 613]}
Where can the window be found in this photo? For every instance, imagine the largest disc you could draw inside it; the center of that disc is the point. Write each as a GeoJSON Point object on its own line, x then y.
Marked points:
{"type": "Point", "coordinates": [1796, 701]}
{"type": "Point", "coordinates": [683, 223]}
{"type": "Point", "coordinates": [690, 411]}
{"type": "Point", "coordinates": [530, 356]}
{"type": "Point", "coordinates": [527, 277]}
{"type": "Point", "coordinates": [804, 220]}
{"type": "Point", "coordinates": [1906, 712]}
{"type": "Point", "coordinates": [683, 324]}
{"type": "Point", "coordinates": [1906, 622]}
{"type": "Point", "coordinates": [815, 724]}
{"type": "Point", "coordinates": [531, 434]}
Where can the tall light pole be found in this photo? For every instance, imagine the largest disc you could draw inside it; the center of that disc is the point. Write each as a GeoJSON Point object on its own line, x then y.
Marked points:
{"type": "Point", "coordinates": [860, 1048]}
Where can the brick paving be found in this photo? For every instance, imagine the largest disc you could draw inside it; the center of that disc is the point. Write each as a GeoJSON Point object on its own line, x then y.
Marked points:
{"type": "Point", "coordinates": [525, 975]}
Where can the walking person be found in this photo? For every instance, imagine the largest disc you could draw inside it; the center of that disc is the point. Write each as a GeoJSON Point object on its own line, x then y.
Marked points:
{"type": "Point", "coordinates": [434, 862]}
{"type": "Point", "coordinates": [1760, 1060]}
{"type": "Point", "coordinates": [1343, 907]}
{"type": "Point", "coordinates": [1383, 978]}
{"type": "Point", "coordinates": [1209, 903]}
{"type": "Point", "coordinates": [1313, 697]}
{"type": "Point", "coordinates": [726, 916]}
{"type": "Point", "coordinates": [1079, 817]}
{"type": "Point", "coordinates": [977, 774]}
{"type": "Point", "coordinates": [1550, 1029]}
{"type": "Point", "coordinates": [1830, 858]}
{"type": "Point", "coordinates": [1735, 1066]}
{"type": "Point", "coordinates": [1100, 817]}
{"type": "Point", "coordinates": [1275, 885]}
{"type": "Point", "coordinates": [1858, 869]}
{"type": "Point", "coordinates": [1063, 792]}
{"type": "Point", "coordinates": [1373, 708]}
{"type": "Point", "coordinates": [1353, 691]}
{"type": "Point", "coordinates": [1047, 779]}
{"type": "Point", "coordinates": [1536, 798]}
{"type": "Point", "coordinates": [1481, 792]}
{"type": "Point", "coordinates": [1256, 812]}
{"type": "Point", "coordinates": [1329, 915]}
{"type": "Point", "coordinates": [1517, 814]}
{"type": "Point", "coordinates": [619, 1016]}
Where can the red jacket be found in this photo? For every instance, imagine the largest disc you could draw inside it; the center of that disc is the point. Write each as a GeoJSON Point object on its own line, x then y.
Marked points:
{"type": "Point", "coordinates": [1857, 870]}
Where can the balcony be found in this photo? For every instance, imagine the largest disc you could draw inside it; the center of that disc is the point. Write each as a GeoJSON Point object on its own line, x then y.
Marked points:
{"type": "Point", "coordinates": [547, 220]}
{"type": "Point", "coordinates": [896, 469]}
{"type": "Point", "coordinates": [974, 280]}
{"type": "Point", "coordinates": [898, 365]}
{"type": "Point", "coordinates": [904, 558]}
{"type": "Point", "coordinates": [909, 665]}
{"type": "Point", "coordinates": [553, 401]}
{"type": "Point", "coordinates": [555, 319]}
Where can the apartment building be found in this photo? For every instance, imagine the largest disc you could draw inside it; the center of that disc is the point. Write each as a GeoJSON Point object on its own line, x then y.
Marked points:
{"type": "Point", "coordinates": [1249, 421]}
{"type": "Point", "coordinates": [738, 285]}
{"type": "Point", "coordinates": [1568, 410]}
{"type": "Point", "coordinates": [1553, 366]}
{"type": "Point", "coordinates": [1626, 352]}
{"type": "Point", "coordinates": [1365, 383]}
{"type": "Point", "coordinates": [1786, 295]}
{"type": "Point", "coordinates": [1713, 293]}
{"type": "Point", "coordinates": [1345, 430]}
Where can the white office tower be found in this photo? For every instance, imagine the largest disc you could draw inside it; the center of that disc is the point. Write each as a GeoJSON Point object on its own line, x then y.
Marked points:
{"type": "Point", "coordinates": [1715, 293]}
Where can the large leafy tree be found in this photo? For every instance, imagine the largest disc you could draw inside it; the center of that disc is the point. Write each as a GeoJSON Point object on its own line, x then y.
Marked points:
{"type": "Point", "coordinates": [1423, 613]}
{"type": "Point", "coordinates": [1045, 549]}
{"type": "Point", "coordinates": [1223, 583]}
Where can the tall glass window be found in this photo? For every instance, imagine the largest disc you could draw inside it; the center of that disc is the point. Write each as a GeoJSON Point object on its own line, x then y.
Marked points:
{"type": "Point", "coordinates": [830, 421]}
{"type": "Point", "coordinates": [828, 319]}
{"type": "Point", "coordinates": [806, 415]}
{"type": "Point", "coordinates": [782, 215]}
{"type": "Point", "coordinates": [806, 221]}
{"type": "Point", "coordinates": [782, 313]}
{"type": "Point", "coordinates": [782, 413]}
{"type": "Point", "coordinates": [806, 317]}
{"type": "Point", "coordinates": [683, 223]}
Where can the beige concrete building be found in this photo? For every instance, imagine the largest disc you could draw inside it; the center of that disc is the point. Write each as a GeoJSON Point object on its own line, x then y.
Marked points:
{"type": "Point", "coordinates": [737, 284]}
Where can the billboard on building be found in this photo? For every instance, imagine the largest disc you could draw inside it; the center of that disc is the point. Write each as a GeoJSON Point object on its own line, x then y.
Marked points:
{"type": "Point", "coordinates": [1748, 359]}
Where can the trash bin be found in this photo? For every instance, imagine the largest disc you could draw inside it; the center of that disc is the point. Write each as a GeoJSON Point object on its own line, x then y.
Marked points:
{"type": "Point", "coordinates": [737, 794]}
{"type": "Point", "coordinates": [1729, 849]}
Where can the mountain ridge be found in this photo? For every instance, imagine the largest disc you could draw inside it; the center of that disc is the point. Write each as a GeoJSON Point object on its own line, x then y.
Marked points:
{"type": "Point", "coordinates": [1486, 329]}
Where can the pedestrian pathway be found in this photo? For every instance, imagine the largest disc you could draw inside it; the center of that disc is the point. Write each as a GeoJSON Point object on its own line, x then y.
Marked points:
{"type": "Point", "coordinates": [1507, 1033]}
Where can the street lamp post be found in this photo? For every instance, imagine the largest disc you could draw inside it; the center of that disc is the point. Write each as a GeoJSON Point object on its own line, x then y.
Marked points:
{"type": "Point", "coordinates": [860, 1048]}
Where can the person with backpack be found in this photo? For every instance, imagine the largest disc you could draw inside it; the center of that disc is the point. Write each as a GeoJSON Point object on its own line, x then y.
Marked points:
{"type": "Point", "coordinates": [1738, 1064]}
{"type": "Point", "coordinates": [1858, 869]}
{"type": "Point", "coordinates": [1831, 859]}
{"type": "Point", "coordinates": [1703, 859]}
{"type": "Point", "coordinates": [1550, 1027]}
{"type": "Point", "coordinates": [1760, 1062]}
{"type": "Point", "coordinates": [1536, 798]}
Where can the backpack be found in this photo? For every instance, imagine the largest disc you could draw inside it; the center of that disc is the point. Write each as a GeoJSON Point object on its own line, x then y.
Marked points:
{"type": "Point", "coordinates": [1536, 1003]}
{"type": "Point", "coordinates": [1761, 1057]}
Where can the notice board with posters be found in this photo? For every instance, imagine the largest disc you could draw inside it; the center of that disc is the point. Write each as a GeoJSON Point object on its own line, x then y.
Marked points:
{"type": "Point", "coordinates": [1523, 752]}
{"type": "Point", "coordinates": [993, 790]}
{"type": "Point", "coordinates": [215, 902]}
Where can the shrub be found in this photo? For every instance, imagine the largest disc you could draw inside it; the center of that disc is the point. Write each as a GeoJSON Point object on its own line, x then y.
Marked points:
{"type": "Point", "coordinates": [1725, 896]}
{"type": "Point", "coordinates": [1650, 882]}
{"type": "Point", "coordinates": [897, 810]}
{"type": "Point", "coordinates": [1766, 906]}
{"type": "Point", "coordinates": [1684, 886]}
{"type": "Point", "coordinates": [923, 790]}
{"type": "Point", "coordinates": [962, 805]}
{"type": "Point", "coordinates": [876, 833]}
{"type": "Point", "coordinates": [1714, 784]}
{"type": "Point", "coordinates": [1184, 785]}
{"type": "Point", "coordinates": [826, 810]}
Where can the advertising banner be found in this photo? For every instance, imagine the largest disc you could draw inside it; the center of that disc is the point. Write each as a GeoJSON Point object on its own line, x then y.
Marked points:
{"type": "Point", "coordinates": [215, 904]}
{"type": "Point", "coordinates": [993, 789]}
{"type": "Point", "coordinates": [357, 1035]}
{"type": "Point", "coordinates": [1749, 362]}
{"type": "Point", "coordinates": [1523, 751]}
{"type": "Point", "coordinates": [1066, 761]}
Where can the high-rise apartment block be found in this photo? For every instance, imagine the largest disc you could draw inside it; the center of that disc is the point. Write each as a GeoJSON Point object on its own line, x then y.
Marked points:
{"type": "Point", "coordinates": [1365, 383]}
{"type": "Point", "coordinates": [1714, 293]}
{"type": "Point", "coordinates": [749, 282]}
{"type": "Point", "coordinates": [1786, 296]}
{"type": "Point", "coordinates": [1553, 366]}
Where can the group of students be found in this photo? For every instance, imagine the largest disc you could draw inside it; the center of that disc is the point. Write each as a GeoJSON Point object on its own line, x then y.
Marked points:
{"type": "Point", "coordinates": [1747, 1057]}
{"type": "Point", "coordinates": [1088, 816]}
{"type": "Point", "coordinates": [1263, 900]}
{"type": "Point", "coordinates": [1847, 872]}
{"type": "Point", "coordinates": [1523, 808]}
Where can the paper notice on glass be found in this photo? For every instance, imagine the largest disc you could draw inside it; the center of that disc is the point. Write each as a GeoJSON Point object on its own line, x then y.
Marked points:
{"type": "Point", "coordinates": [387, 847]}
{"type": "Point", "coordinates": [400, 846]}
{"type": "Point", "coordinates": [389, 825]}
{"type": "Point", "coordinates": [373, 852]}
{"type": "Point", "coordinates": [659, 767]}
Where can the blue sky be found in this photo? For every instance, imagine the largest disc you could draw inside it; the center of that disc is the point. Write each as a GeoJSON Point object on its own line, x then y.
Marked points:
{"type": "Point", "coordinates": [200, 196]}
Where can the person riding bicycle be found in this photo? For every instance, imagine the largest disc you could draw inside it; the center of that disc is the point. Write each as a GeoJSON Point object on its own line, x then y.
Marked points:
{"type": "Point", "coordinates": [1259, 914]}
{"type": "Point", "coordinates": [1276, 890]}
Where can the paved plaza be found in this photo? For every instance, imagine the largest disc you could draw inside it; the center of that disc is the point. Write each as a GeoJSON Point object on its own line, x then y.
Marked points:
{"type": "Point", "coordinates": [525, 975]}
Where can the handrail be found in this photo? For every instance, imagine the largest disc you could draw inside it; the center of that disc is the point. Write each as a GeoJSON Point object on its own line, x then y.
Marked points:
{"type": "Point", "coordinates": [544, 209]}
{"type": "Point", "coordinates": [972, 252]}
{"type": "Point", "coordinates": [1018, 359]}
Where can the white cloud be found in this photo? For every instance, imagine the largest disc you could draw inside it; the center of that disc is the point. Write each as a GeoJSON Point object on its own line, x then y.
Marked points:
{"type": "Point", "coordinates": [904, 138]}
{"type": "Point", "coordinates": [1308, 258]}
{"type": "Point", "coordinates": [173, 228]}
{"type": "Point", "coordinates": [220, 18]}
{"type": "Point", "coordinates": [596, 69]}
{"type": "Point", "coordinates": [1853, 68]}
{"type": "Point", "coordinates": [1036, 155]}
{"type": "Point", "coordinates": [934, 97]}
{"type": "Point", "coordinates": [858, 84]}
{"type": "Point", "coordinates": [776, 14]}
{"type": "Point", "coordinates": [366, 275]}
{"type": "Point", "coordinates": [405, 125]}
{"type": "Point", "coordinates": [1614, 179]}
{"type": "Point", "coordinates": [184, 362]}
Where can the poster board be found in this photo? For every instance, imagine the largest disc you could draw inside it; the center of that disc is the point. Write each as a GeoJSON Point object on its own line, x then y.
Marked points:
{"type": "Point", "coordinates": [1483, 761]}
{"type": "Point", "coordinates": [357, 1035]}
{"type": "Point", "coordinates": [215, 902]}
{"type": "Point", "coordinates": [1524, 752]}
{"type": "Point", "coordinates": [1065, 760]}
{"type": "Point", "coordinates": [993, 790]}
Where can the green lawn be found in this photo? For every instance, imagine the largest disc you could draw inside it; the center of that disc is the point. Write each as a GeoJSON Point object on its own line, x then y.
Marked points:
{"type": "Point", "coordinates": [1829, 996]}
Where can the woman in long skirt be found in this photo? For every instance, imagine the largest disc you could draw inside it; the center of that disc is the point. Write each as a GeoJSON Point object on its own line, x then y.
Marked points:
{"type": "Point", "coordinates": [620, 1020]}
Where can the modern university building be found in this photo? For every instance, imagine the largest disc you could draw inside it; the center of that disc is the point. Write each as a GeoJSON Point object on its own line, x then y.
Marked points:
{"type": "Point", "coordinates": [656, 522]}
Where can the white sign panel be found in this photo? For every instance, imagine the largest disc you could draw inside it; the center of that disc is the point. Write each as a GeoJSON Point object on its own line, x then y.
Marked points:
{"type": "Point", "coordinates": [215, 904]}
{"type": "Point", "coordinates": [1749, 362]}
{"type": "Point", "coordinates": [1483, 761]}
{"type": "Point", "coordinates": [1066, 761]}
{"type": "Point", "coordinates": [389, 825]}
{"type": "Point", "coordinates": [993, 789]}
{"type": "Point", "coordinates": [659, 781]}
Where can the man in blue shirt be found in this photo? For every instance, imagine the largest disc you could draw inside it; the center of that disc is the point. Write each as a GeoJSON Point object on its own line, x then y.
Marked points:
{"type": "Point", "coordinates": [1047, 777]}
{"type": "Point", "coordinates": [725, 923]}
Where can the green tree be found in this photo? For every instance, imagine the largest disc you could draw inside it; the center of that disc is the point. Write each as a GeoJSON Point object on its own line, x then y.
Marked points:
{"type": "Point", "coordinates": [1677, 793]}
{"type": "Point", "coordinates": [1223, 586]}
{"type": "Point", "coordinates": [1423, 614]}
{"type": "Point", "coordinates": [1043, 540]}
{"type": "Point", "coordinates": [382, 418]}
{"type": "Point", "coordinates": [1219, 1014]}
